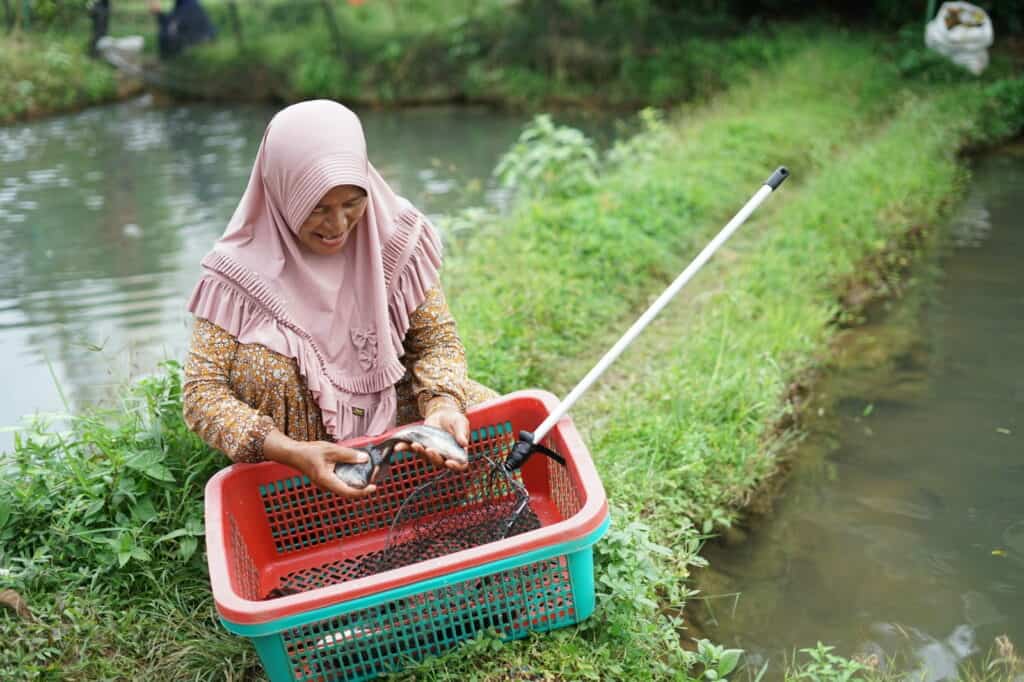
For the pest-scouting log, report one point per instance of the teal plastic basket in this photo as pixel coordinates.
(268, 529)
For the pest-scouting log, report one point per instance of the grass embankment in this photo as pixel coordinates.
(104, 546)
(520, 54)
(397, 54)
(46, 73)
(684, 438)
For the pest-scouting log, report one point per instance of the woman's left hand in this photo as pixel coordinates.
(454, 422)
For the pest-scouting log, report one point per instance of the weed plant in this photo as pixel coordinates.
(40, 76)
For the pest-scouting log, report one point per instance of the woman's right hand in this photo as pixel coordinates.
(316, 459)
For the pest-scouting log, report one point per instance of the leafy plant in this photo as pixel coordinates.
(549, 160)
(54, 74)
(825, 666)
(113, 495)
(645, 145)
(717, 661)
(319, 75)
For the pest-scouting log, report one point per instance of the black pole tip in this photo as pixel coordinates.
(777, 178)
(520, 452)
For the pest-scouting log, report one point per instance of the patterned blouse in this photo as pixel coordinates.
(236, 393)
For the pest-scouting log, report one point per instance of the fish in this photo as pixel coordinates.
(430, 437)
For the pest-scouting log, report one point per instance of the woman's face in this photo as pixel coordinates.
(328, 227)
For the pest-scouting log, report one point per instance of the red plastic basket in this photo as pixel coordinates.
(268, 528)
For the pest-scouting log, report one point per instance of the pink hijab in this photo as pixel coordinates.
(344, 317)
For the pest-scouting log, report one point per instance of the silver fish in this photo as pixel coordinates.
(361, 475)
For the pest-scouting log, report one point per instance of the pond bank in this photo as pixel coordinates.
(519, 55)
(46, 74)
(438, 54)
(902, 515)
(681, 432)
(428, 76)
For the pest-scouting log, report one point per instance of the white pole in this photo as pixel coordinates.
(772, 183)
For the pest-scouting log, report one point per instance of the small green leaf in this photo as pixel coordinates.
(123, 558)
(187, 547)
(730, 659)
(144, 511)
(149, 462)
(5, 512)
(160, 473)
(170, 536)
(93, 508)
(710, 674)
(140, 459)
(660, 549)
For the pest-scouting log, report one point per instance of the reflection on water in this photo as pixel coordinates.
(104, 216)
(901, 530)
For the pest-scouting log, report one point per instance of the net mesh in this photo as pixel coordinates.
(446, 512)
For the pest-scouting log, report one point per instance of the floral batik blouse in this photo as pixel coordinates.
(236, 393)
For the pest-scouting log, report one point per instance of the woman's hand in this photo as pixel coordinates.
(316, 459)
(448, 419)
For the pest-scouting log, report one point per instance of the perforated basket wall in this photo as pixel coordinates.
(385, 637)
(311, 579)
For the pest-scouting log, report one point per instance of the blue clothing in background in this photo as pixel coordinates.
(187, 24)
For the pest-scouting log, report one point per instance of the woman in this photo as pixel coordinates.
(319, 314)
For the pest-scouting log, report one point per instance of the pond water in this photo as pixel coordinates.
(900, 533)
(105, 215)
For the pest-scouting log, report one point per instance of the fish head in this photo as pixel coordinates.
(363, 474)
(433, 438)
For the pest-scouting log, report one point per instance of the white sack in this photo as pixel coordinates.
(965, 43)
(123, 53)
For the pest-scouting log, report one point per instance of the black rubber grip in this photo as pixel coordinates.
(777, 178)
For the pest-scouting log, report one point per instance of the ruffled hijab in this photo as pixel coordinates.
(342, 317)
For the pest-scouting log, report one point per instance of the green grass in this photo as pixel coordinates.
(98, 525)
(638, 228)
(684, 438)
(700, 414)
(99, 529)
(455, 51)
(44, 74)
(820, 664)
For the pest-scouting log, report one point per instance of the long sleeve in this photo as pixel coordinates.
(211, 408)
(435, 356)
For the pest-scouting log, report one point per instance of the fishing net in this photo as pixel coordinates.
(445, 512)
(495, 505)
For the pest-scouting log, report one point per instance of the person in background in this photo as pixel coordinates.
(99, 13)
(185, 25)
(319, 313)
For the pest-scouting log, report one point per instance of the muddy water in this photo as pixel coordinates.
(105, 214)
(900, 533)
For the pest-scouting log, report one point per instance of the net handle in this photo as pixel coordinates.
(772, 183)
